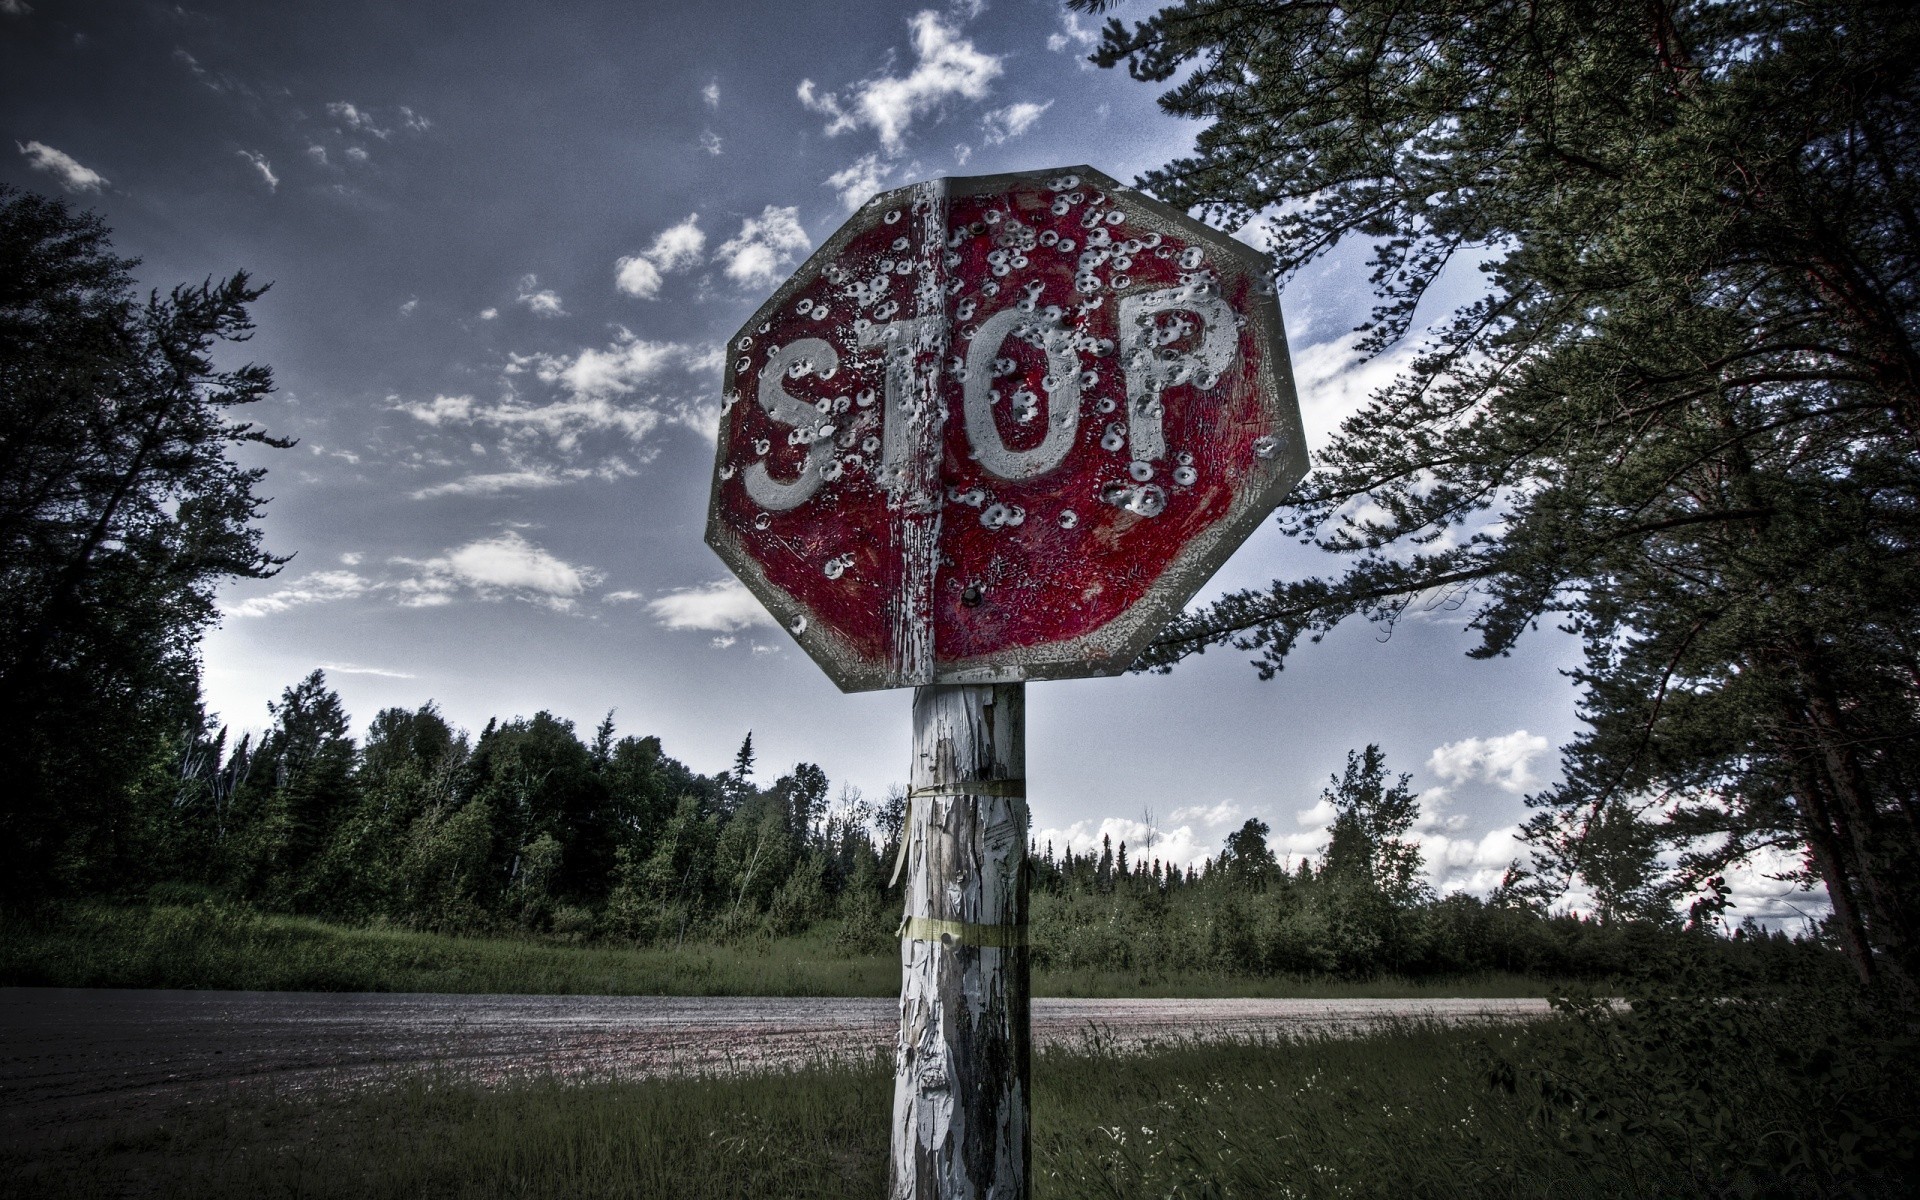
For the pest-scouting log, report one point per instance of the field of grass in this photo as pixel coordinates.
(1406, 1113)
(211, 946)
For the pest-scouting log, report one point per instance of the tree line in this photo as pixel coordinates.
(531, 828)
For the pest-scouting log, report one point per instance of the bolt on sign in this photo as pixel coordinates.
(995, 429)
(1001, 429)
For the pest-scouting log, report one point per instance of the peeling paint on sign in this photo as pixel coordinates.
(1001, 428)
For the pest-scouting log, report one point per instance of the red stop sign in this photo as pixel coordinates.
(1001, 428)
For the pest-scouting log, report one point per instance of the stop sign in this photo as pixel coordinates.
(1001, 428)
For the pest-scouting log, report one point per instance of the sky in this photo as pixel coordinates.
(506, 244)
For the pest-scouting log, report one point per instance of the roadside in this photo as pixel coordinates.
(214, 946)
(74, 1056)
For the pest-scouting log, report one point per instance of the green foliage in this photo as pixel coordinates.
(1683, 419)
(120, 513)
(1694, 1087)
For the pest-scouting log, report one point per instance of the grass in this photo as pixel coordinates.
(217, 947)
(1405, 1113)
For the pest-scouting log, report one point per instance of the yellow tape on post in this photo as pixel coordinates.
(963, 933)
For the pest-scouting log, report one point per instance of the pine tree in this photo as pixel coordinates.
(120, 513)
(1684, 419)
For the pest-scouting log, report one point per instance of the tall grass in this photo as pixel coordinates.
(1404, 1113)
(217, 946)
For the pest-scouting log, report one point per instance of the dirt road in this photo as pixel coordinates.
(71, 1055)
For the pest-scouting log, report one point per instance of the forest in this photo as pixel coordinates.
(531, 830)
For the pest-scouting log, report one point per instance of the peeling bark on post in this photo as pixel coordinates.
(961, 1066)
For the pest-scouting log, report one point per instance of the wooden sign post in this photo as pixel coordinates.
(995, 429)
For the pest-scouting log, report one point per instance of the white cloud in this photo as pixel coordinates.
(1073, 35)
(719, 607)
(622, 597)
(524, 478)
(961, 153)
(722, 642)
(321, 587)
(1506, 762)
(946, 65)
(356, 119)
(261, 165)
(766, 245)
(859, 180)
(406, 310)
(414, 122)
(1005, 124)
(505, 566)
(488, 314)
(356, 154)
(711, 93)
(348, 669)
(616, 369)
(318, 154)
(15, 8)
(441, 410)
(710, 141)
(63, 166)
(675, 248)
(1334, 383)
(542, 302)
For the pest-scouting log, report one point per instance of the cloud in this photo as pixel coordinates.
(710, 141)
(719, 607)
(346, 669)
(622, 597)
(711, 93)
(321, 587)
(675, 248)
(1004, 124)
(542, 302)
(1072, 36)
(406, 310)
(64, 167)
(859, 180)
(488, 314)
(946, 65)
(614, 370)
(261, 165)
(318, 154)
(505, 566)
(356, 154)
(414, 122)
(1334, 383)
(441, 410)
(357, 119)
(15, 8)
(524, 478)
(766, 245)
(1505, 762)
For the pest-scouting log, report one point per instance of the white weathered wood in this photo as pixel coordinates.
(961, 1066)
(916, 494)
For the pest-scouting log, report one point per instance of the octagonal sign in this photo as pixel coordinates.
(1001, 428)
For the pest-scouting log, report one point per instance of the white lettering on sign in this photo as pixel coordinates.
(806, 356)
(1150, 373)
(1149, 369)
(1063, 397)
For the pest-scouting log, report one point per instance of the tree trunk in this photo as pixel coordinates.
(961, 1067)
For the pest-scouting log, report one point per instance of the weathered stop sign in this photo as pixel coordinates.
(1001, 429)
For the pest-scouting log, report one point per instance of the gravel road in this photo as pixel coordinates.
(69, 1055)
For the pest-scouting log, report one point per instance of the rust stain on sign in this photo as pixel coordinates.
(1001, 428)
